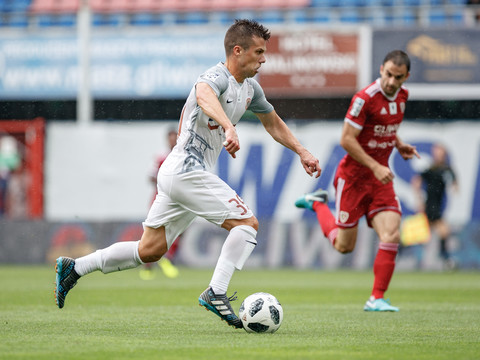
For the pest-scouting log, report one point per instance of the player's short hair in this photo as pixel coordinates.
(399, 58)
(242, 32)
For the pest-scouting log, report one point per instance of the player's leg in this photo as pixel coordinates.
(341, 230)
(236, 249)
(127, 254)
(386, 225)
(317, 202)
(211, 198)
(119, 256)
(442, 229)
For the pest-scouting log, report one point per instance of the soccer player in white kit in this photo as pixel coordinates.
(186, 186)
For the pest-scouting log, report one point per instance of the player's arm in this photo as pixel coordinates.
(407, 151)
(350, 143)
(207, 99)
(277, 128)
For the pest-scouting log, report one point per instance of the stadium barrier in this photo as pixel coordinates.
(299, 244)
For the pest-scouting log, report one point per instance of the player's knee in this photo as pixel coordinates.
(229, 224)
(151, 249)
(343, 249)
(393, 237)
(254, 223)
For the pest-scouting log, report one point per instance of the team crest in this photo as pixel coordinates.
(343, 216)
(249, 100)
(393, 108)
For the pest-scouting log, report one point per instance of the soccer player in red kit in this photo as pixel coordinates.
(363, 181)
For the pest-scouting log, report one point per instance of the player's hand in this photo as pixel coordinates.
(231, 143)
(407, 151)
(383, 174)
(310, 164)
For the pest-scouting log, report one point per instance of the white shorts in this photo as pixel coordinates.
(183, 197)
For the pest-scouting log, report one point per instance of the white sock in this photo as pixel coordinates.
(119, 256)
(238, 246)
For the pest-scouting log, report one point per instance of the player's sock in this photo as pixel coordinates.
(119, 256)
(238, 246)
(383, 268)
(326, 220)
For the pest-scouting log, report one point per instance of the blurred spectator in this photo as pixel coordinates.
(431, 187)
(9, 161)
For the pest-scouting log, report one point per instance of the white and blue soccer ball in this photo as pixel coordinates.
(261, 313)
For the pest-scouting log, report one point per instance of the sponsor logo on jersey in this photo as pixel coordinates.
(374, 144)
(402, 107)
(249, 100)
(385, 130)
(357, 106)
(383, 111)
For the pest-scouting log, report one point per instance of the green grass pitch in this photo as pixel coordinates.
(119, 316)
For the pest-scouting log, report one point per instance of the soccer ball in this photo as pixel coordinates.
(261, 313)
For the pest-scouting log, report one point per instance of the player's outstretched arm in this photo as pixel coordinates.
(277, 128)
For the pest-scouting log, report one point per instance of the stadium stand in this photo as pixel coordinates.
(114, 13)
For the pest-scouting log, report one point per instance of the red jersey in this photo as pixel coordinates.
(379, 117)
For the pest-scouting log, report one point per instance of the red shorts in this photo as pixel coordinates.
(362, 195)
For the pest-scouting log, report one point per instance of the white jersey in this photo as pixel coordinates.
(201, 138)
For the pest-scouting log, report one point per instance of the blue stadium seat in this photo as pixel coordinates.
(437, 17)
(350, 16)
(351, 3)
(457, 17)
(322, 16)
(45, 20)
(144, 19)
(413, 2)
(108, 19)
(221, 17)
(377, 17)
(18, 20)
(14, 5)
(67, 20)
(407, 17)
(373, 3)
(320, 3)
(299, 15)
(193, 18)
(56, 20)
(245, 14)
(271, 17)
(388, 2)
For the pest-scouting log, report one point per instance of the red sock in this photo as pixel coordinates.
(326, 220)
(383, 267)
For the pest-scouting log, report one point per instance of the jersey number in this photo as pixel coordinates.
(240, 204)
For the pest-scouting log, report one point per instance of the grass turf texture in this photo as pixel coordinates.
(119, 316)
